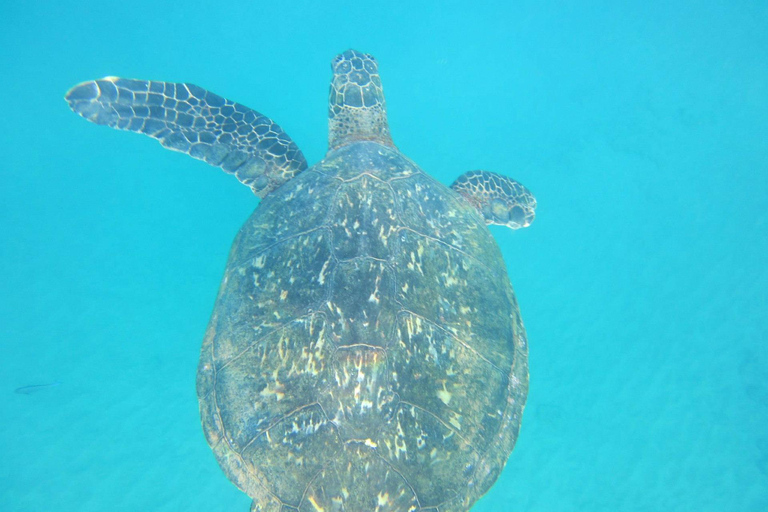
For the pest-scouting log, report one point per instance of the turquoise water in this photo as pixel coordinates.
(642, 128)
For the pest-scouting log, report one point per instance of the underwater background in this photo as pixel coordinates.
(641, 127)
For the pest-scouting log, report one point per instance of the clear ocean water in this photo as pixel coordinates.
(642, 128)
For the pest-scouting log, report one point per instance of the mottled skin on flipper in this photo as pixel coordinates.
(189, 119)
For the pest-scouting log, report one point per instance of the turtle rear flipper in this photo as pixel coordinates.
(187, 118)
(499, 199)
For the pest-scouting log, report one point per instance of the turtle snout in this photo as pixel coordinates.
(514, 216)
(521, 217)
(353, 59)
(517, 215)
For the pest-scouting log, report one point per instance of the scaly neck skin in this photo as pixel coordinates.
(356, 107)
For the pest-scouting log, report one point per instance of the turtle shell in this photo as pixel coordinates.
(366, 350)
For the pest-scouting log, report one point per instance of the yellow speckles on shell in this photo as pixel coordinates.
(455, 421)
(415, 264)
(314, 504)
(363, 218)
(413, 326)
(450, 280)
(323, 272)
(274, 389)
(401, 449)
(384, 239)
(360, 399)
(375, 294)
(444, 395)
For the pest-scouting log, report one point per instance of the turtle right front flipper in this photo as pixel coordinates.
(187, 118)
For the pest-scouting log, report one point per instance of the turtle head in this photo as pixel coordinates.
(499, 199)
(356, 107)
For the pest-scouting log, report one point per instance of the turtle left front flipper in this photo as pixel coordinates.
(499, 199)
(187, 118)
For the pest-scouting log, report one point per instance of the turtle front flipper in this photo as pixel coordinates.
(499, 199)
(187, 118)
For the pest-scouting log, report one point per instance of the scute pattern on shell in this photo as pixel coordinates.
(366, 351)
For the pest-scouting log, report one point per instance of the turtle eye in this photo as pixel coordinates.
(499, 210)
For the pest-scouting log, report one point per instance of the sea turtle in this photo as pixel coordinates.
(366, 350)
